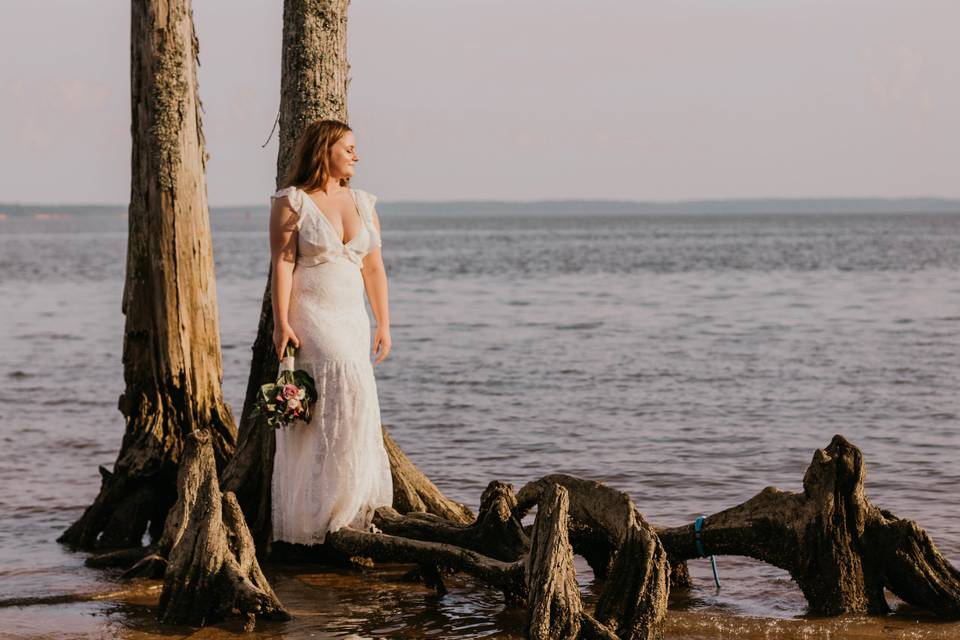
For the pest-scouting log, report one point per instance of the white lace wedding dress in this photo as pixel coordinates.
(334, 471)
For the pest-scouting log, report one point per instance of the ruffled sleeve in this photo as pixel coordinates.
(368, 201)
(295, 196)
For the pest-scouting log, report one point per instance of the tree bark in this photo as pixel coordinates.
(212, 569)
(171, 349)
(555, 606)
(495, 532)
(623, 550)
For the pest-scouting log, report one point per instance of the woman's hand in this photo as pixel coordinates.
(282, 334)
(381, 344)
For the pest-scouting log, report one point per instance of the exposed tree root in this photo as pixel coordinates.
(212, 570)
(555, 607)
(841, 549)
(542, 577)
(413, 491)
(495, 532)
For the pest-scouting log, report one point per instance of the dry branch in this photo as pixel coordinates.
(505, 576)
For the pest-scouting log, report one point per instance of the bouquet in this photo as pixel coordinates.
(290, 398)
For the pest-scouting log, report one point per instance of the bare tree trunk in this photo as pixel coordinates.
(313, 86)
(171, 350)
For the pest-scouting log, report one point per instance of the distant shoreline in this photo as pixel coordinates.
(773, 206)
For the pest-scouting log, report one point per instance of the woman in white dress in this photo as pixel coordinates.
(325, 248)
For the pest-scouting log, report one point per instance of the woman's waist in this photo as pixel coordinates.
(321, 288)
(340, 273)
(314, 258)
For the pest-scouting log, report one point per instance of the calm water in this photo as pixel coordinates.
(688, 360)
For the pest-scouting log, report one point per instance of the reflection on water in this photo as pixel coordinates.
(687, 360)
(377, 603)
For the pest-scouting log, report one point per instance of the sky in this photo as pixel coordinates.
(520, 100)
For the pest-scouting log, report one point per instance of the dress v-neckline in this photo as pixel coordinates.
(329, 224)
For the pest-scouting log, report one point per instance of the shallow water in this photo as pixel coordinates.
(688, 360)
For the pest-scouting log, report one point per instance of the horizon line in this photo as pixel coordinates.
(676, 201)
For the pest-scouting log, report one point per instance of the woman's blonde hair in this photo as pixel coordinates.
(310, 166)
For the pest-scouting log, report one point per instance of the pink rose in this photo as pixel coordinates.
(293, 404)
(290, 391)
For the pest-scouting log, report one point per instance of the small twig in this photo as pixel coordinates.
(272, 129)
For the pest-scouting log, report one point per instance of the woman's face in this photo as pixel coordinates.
(343, 156)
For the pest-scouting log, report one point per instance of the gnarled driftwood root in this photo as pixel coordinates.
(212, 569)
(634, 599)
(495, 532)
(555, 607)
(622, 549)
(841, 549)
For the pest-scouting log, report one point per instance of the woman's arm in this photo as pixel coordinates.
(283, 258)
(375, 282)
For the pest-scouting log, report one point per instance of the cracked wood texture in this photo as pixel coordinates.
(555, 607)
(212, 571)
(171, 349)
(617, 540)
(840, 548)
(494, 532)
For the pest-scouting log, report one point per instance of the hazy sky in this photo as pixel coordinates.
(471, 99)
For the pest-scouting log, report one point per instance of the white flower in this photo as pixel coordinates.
(293, 404)
(302, 395)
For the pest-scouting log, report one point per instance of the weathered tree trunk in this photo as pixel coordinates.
(841, 549)
(313, 86)
(830, 537)
(171, 349)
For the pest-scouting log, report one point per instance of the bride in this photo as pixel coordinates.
(325, 250)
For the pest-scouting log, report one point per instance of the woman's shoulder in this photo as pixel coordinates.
(365, 197)
(293, 194)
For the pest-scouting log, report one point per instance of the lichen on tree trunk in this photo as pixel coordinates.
(171, 348)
